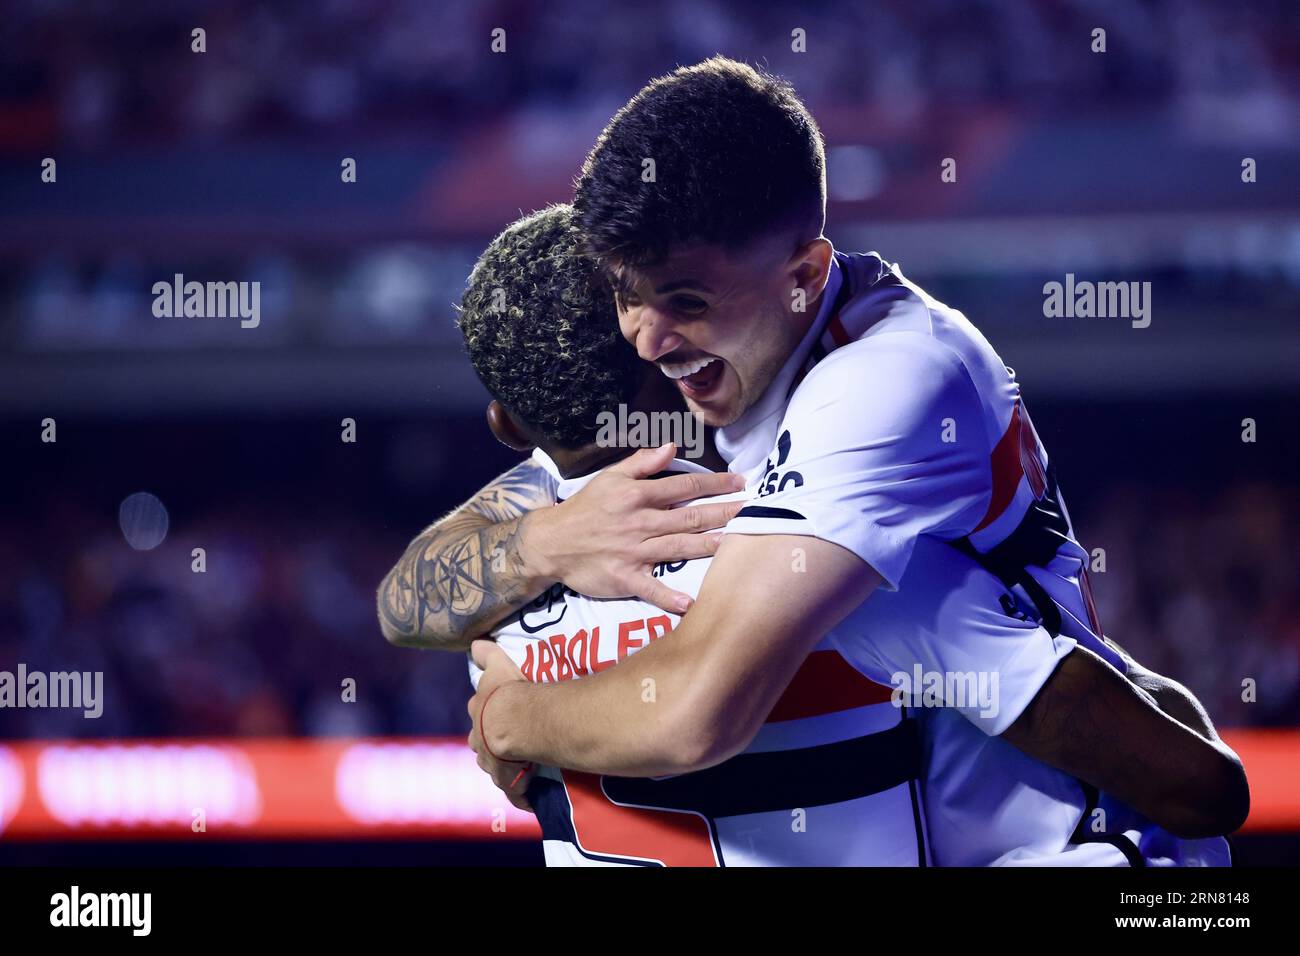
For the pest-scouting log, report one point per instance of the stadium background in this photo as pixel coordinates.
(223, 688)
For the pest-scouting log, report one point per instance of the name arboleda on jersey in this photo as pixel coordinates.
(785, 800)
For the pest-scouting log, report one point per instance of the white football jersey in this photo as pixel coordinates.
(831, 779)
(895, 418)
(896, 431)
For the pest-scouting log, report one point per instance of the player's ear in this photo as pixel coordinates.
(507, 431)
(811, 266)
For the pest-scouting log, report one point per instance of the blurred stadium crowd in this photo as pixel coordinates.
(260, 643)
(227, 162)
(101, 71)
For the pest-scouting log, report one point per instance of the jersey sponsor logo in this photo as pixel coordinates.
(774, 480)
(666, 567)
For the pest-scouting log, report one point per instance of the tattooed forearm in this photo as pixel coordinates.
(466, 573)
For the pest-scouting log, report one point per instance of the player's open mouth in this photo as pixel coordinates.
(696, 378)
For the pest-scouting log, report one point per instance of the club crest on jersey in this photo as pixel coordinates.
(773, 480)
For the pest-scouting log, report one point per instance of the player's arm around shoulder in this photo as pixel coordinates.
(1093, 723)
(697, 696)
(511, 541)
(468, 570)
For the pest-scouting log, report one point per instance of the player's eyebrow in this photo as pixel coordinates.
(623, 282)
(682, 284)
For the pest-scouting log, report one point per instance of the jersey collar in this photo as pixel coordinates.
(568, 487)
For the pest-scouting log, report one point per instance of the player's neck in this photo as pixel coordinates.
(805, 319)
(578, 462)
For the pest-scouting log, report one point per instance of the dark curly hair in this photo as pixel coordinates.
(541, 329)
(737, 156)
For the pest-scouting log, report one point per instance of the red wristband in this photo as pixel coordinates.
(515, 782)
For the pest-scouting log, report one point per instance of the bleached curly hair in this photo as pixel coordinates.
(541, 329)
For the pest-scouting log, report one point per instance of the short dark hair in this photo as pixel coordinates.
(541, 329)
(736, 154)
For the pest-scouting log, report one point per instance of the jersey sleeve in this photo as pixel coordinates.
(882, 442)
(956, 637)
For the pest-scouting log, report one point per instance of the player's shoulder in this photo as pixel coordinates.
(891, 303)
(888, 342)
(884, 345)
(876, 300)
(888, 370)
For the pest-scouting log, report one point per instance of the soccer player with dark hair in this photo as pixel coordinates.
(839, 773)
(725, 238)
(539, 323)
(866, 417)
